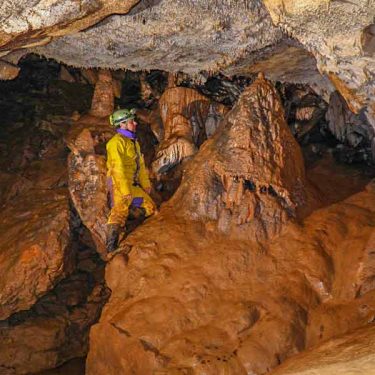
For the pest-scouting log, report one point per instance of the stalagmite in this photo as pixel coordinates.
(184, 113)
(252, 174)
(103, 99)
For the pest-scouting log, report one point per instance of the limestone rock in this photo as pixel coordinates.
(251, 175)
(347, 355)
(26, 25)
(103, 100)
(88, 177)
(345, 125)
(11, 185)
(153, 120)
(188, 37)
(56, 328)
(187, 298)
(184, 113)
(191, 300)
(8, 71)
(35, 248)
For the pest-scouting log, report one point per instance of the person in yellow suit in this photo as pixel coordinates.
(128, 178)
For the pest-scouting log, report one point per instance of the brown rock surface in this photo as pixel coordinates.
(8, 71)
(56, 328)
(250, 177)
(88, 175)
(38, 25)
(35, 248)
(344, 124)
(190, 299)
(183, 112)
(103, 99)
(348, 355)
(11, 185)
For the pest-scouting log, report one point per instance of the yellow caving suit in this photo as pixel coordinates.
(126, 169)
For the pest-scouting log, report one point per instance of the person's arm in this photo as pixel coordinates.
(117, 169)
(144, 179)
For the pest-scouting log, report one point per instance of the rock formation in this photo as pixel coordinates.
(103, 100)
(351, 354)
(184, 113)
(27, 25)
(191, 300)
(194, 299)
(35, 246)
(52, 287)
(345, 125)
(251, 175)
(249, 262)
(88, 176)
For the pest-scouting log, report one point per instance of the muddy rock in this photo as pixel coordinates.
(87, 175)
(184, 113)
(189, 299)
(250, 177)
(103, 100)
(56, 328)
(11, 185)
(36, 251)
(347, 355)
(193, 293)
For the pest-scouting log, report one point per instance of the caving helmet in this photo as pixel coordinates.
(121, 115)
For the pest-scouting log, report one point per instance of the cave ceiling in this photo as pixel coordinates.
(326, 43)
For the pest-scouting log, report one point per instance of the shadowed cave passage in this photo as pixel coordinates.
(228, 172)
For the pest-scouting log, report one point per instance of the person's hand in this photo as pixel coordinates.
(148, 190)
(127, 197)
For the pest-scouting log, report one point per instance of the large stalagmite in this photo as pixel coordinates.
(249, 178)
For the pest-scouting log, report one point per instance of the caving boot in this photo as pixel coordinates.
(113, 236)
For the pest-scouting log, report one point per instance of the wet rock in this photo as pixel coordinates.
(193, 300)
(103, 99)
(87, 175)
(11, 185)
(249, 178)
(346, 126)
(8, 71)
(47, 174)
(184, 113)
(60, 320)
(36, 251)
(51, 336)
(350, 354)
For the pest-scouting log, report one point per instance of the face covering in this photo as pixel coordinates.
(127, 133)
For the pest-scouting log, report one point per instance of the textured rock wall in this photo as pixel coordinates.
(250, 177)
(184, 113)
(187, 36)
(190, 298)
(52, 287)
(351, 354)
(339, 35)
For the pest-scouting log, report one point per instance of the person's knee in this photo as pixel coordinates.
(118, 215)
(149, 207)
